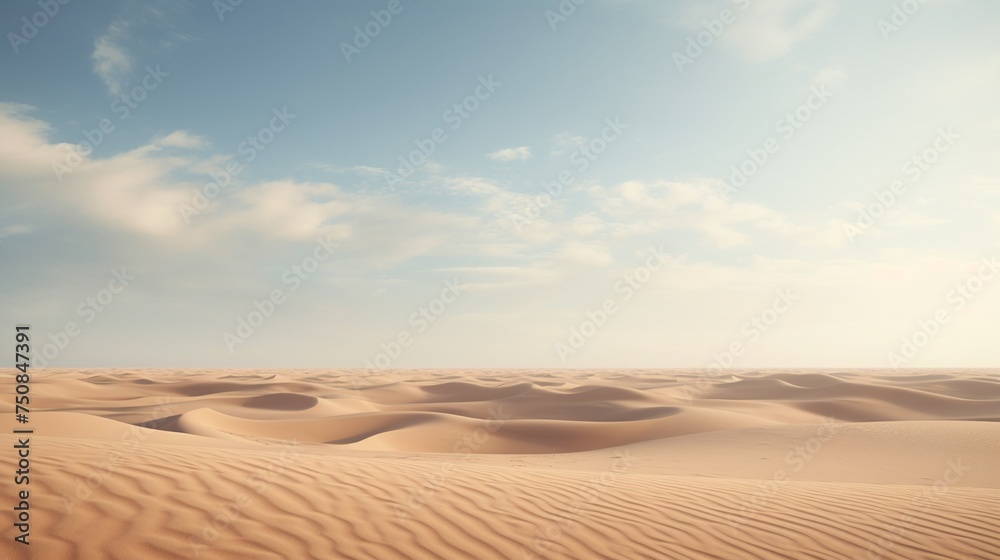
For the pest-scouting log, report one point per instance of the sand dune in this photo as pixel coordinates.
(519, 464)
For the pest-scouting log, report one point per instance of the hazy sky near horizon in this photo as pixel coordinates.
(616, 183)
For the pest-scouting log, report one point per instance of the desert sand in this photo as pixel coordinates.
(484, 464)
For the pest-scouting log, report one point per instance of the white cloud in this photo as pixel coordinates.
(511, 154)
(587, 254)
(288, 210)
(141, 191)
(482, 278)
(433, 167)
(496, 200)
(833, 76)
(182, 139)
(23, 147)
(898, 216)
(907, 217)
(472, 185)
(366, 170)
(982, 185)
(134, 190)
(112, 62)
(771, 28)
(643, 208)
(565, 142)
(587, 224)
(665, 205)
(139, 30)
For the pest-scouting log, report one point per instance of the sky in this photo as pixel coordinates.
(574, 184)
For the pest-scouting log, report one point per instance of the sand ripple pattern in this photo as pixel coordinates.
(455, 464)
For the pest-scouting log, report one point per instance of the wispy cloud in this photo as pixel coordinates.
(182, 139)
(140, 192)
(566, 142)
(112, 62)
(138, 29)
(511, 154)
(367, 170)
(771, 28)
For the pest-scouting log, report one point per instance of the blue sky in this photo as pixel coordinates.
(501, 101)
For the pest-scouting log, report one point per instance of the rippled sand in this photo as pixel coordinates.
(484, 464)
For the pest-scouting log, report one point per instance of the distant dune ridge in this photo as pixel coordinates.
(489, 464)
